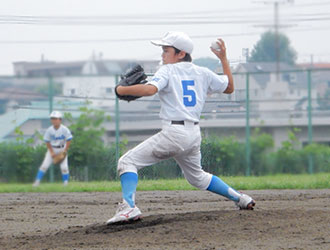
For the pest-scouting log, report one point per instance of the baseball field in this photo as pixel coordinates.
(176, 219)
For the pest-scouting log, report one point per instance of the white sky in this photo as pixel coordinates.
(307, 37)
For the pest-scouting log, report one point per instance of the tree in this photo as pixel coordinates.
(210, 63)
(87, 131)
(264, 50)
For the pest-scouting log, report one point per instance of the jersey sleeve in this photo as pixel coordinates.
(160, 79)
(68, 135)
(47, 136)
(217, 83)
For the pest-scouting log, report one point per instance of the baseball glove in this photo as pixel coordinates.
(132, 77)
(59, 157)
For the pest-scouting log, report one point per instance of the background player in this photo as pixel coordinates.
(182, 88)
(58, 138)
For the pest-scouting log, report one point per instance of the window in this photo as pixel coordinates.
(278, 94)
(255, 92)
(72, 91)
(293, 78)
(108, 90)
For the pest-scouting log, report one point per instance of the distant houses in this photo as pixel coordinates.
(283, 93)
(279, 100)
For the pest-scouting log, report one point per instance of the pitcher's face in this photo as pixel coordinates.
(169, 56)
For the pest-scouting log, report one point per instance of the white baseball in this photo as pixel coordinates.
(215, 45)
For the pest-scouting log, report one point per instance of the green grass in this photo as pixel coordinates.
(316, 181)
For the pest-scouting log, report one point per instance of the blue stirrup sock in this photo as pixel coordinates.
(129, 182)
(219, 187)
(65, 177)
(40, 174)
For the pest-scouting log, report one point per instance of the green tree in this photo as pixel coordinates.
(210, 63)
(87, 133)
(264, 50)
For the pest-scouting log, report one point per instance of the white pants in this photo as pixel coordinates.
(182, 142)
(48, 161)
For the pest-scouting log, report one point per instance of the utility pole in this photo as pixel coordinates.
(245, 54)
(51, 96)
(277, 45)
(276, 27)
(312, 61)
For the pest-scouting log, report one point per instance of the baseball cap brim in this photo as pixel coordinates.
(160, 43)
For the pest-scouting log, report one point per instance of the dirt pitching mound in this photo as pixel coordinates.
(297, 219)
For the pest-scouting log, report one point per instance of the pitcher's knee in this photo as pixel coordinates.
(125, 165)
(201, 180)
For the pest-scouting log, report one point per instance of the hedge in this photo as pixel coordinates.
(20, 161)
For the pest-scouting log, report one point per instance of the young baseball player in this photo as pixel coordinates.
(182, 88)
(58, 138)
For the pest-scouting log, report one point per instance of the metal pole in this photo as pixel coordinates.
(247, 128)
(117, 125)
(310, 125)
(277, 46)
(51, 94)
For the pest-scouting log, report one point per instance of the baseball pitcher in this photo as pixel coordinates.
(182, 88)
(58, 138)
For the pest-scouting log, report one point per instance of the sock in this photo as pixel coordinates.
(65, 177)
(129, 182)
(219, 187)
(40, 174)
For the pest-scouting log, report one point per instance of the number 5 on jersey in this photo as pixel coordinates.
(189, 95)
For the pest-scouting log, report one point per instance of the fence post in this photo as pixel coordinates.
(117, 124)
(310, 125)
(86, 173)
(247, 128)
(51, 96)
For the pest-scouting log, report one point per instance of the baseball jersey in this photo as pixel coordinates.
(57, 137)
(183, 88)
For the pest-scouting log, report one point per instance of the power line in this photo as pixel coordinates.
(122, 39)
(241, 19)
(13, 42)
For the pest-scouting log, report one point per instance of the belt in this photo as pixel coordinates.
(181, 123)
(57, 146)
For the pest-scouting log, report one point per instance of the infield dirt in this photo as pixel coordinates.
(282, 219)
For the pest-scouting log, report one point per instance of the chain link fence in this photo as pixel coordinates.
(272, 123)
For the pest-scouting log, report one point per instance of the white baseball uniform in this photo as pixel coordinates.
(182, 88)
(57, 138)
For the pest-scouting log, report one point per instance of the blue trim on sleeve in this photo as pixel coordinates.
(69, 139)
(46, 140)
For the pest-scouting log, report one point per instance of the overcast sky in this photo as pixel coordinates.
(68, 30)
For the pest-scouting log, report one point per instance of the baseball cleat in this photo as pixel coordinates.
(125, 213)
(245, 202)
(36, 184)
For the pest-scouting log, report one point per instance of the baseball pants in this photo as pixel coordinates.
(48, 161)
(182, 142)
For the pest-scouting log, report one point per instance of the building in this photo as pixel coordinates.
(94, 66)
(93, 80)
(277, 104)
(271, 94)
